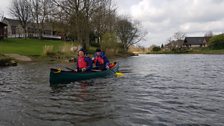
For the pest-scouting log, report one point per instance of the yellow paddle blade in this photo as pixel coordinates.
(119, 74)
(58, 71)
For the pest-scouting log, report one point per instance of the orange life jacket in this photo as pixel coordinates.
(82, 63)
(99, 59)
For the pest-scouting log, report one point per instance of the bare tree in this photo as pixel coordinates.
(60, 22)
(81, 13)
(1, 15)
(179, 36)
(104, 19)
(128, 33)
(35, 5)
(41, 10)
(208, 34)
(21, 10)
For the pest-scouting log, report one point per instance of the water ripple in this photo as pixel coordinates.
(160, 90)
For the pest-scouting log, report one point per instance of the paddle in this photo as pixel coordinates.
(66, 67)
(119, 74)
(69, 68)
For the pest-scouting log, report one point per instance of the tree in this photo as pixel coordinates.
(217, 42)
(1, 15)
(80, 14)
(109, 40)
(21, 10)
(208, 34)
(179, 36)
(156, 49)
(128, 33)
(104, 18)
(162, 46)
(41, 9)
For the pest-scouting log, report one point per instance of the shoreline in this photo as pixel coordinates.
(206, 51)
(13, 59)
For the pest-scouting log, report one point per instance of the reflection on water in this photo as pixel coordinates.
(156, 90)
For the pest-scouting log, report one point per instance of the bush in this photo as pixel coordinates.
(67, 48)
(7, 61)
(47, 50)
(156, 49)
(216, 42)
(109, 43)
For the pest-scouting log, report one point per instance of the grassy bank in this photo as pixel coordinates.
(191, 51)
(206, 51)
(45, 50)
(29, 47)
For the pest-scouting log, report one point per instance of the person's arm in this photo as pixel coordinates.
(89, 63)
(106, 62)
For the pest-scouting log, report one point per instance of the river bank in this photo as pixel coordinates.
(205, 50)
(34, 50)
(7, 61)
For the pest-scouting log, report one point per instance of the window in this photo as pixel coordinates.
(13, 28)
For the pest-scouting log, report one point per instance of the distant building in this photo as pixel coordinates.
(175, 44)
(3, 30)
(196, 41)
(15, 30)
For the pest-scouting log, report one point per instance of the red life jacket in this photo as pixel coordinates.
(82, 63)
(99, 59)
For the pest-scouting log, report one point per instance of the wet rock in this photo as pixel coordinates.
(6, 61)
(19, 57)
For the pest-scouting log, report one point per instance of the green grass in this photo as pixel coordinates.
(205, 50)
(29, 47)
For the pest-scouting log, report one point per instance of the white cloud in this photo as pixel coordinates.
(4, 7)
(164, 17)
(161, 18)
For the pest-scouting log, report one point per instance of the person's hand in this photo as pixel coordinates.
(83, 69)
(107, 67)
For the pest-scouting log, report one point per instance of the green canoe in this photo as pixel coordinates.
(65, 77)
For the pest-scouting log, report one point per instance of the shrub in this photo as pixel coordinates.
(109, 43)
(216, 42)
(47, 50)
(67, 48)
(156, 49)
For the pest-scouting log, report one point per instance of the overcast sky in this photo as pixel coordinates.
(162, 18)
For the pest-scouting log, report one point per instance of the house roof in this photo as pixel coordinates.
(15, 22)
(176, 43)
(12, 21)
(2, 24)
(195, 40)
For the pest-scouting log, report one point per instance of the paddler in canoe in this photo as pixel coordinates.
(84, 69)
(100, 60)
(84, 63)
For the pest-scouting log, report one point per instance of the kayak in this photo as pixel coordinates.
(58, 76)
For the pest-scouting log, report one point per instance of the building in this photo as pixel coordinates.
(15, 30)
(3, 30)
(196, 41)
(175, 44)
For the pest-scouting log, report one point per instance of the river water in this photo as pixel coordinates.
(160, 90)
